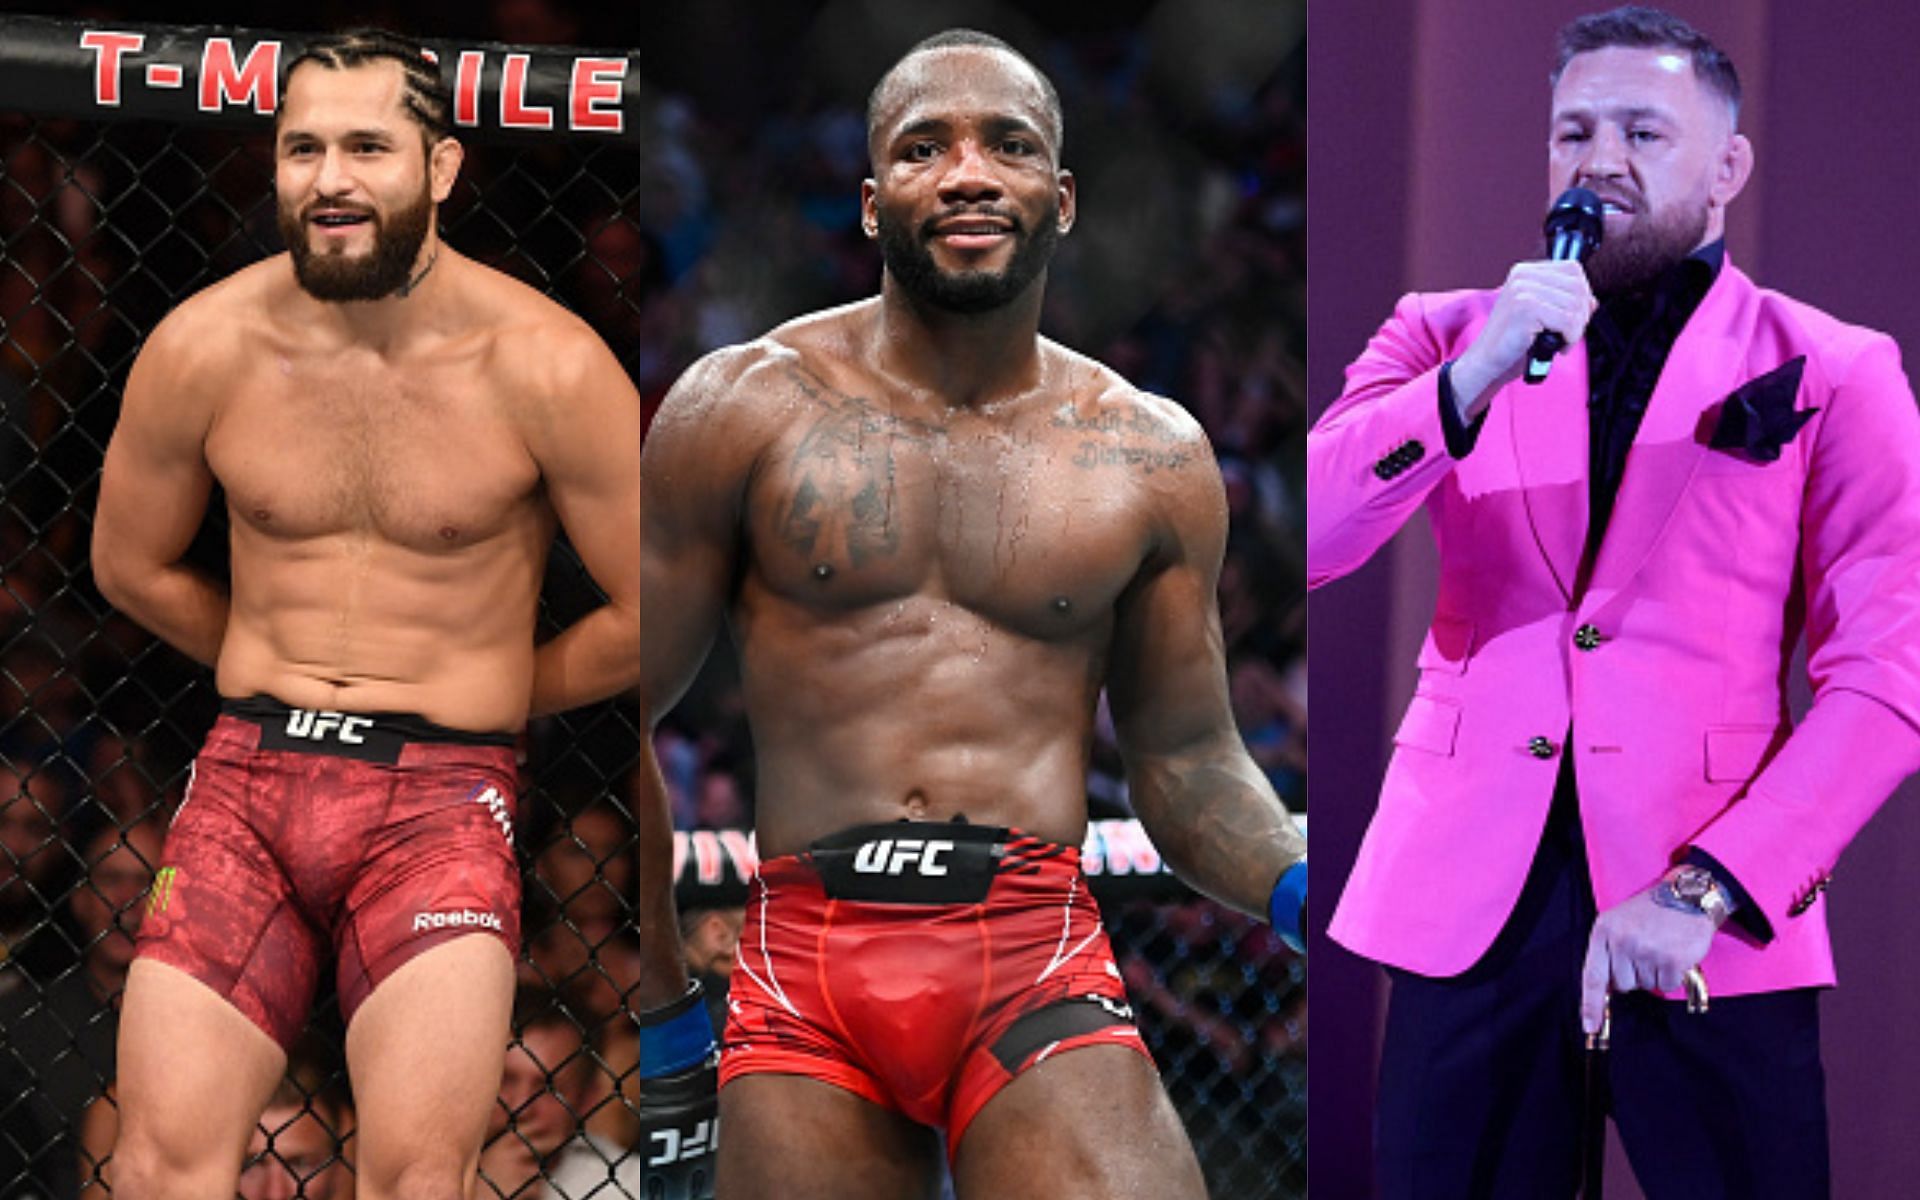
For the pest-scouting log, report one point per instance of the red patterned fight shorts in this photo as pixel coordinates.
(922, 966)
(368, 838)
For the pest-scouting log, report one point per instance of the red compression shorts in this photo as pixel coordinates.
(307, 835)
(922, 966)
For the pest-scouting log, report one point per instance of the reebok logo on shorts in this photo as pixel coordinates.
(463, 918)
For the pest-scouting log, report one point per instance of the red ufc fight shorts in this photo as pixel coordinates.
(922, 966)
(304, 834)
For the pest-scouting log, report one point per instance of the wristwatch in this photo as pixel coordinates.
(1694, 887)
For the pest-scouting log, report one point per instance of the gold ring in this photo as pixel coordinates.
(1602, 1037)
(1696, 981)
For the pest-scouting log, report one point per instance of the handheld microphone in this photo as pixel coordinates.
(1573, 228)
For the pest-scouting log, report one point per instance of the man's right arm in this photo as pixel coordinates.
(694, 466)
(1381, 448)
(692, 476)
(153, 494)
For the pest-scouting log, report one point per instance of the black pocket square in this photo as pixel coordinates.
(1759, 417)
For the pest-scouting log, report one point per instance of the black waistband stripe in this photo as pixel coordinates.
(370, 737)
(921, 862)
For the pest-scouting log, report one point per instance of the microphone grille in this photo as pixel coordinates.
(1577, 210)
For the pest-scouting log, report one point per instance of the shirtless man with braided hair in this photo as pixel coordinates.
(398, 431)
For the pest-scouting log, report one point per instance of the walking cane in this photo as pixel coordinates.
(1593, 1094)
(1593, 1107)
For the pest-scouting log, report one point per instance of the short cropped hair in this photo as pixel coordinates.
(969, 37)
(426, 98)
(1649, 28)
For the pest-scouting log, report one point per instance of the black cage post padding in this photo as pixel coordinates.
(212, 75)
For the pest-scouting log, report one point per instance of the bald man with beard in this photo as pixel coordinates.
(936, 537)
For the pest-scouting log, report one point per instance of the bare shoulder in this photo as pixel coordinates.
(213, 328)
(719, 410)
(830, 335)
(544, 350)
(741, 395)
(189, 364)
(1118, 425)
(1149, 446)
(823, 357)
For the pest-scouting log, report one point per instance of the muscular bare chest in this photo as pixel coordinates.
(423, 455)
(1003, 514)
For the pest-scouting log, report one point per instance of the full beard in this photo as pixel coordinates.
(386, 269)
(966, 293)
(1650, 247)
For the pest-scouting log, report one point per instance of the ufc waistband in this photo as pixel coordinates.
(369, 737)
(922, 967)
(925, 862)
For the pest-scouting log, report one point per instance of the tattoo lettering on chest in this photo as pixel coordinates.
(841, 488)
(1147, 459)
(1135, 439)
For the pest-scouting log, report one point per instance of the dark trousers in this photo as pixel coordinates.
(1482, 1075)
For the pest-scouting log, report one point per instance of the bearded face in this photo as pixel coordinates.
(334, 261)
(906, 249)
(1657, 145)
(1651, 244)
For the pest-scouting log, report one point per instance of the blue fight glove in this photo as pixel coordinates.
(679, 1099)
(1287, 909)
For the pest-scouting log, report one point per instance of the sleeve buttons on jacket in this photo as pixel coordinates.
(1399, 459)
(1805, 900)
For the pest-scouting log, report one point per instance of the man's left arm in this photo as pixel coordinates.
(1860, 572)
(586, 438)
(1202, 799)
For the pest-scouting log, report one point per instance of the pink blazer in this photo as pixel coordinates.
(1670, 666)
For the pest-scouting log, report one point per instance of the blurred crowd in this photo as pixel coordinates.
(1187, 273)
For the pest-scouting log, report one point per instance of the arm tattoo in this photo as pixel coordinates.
(1222, 832)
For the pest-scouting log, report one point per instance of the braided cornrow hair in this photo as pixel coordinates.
(426, 97)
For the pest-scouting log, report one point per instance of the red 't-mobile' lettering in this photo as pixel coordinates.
(108, 47)
(596, 82)
(466, 88)
(515, 112)
(222, 81)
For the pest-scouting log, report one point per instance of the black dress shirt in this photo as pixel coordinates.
(1628, 341)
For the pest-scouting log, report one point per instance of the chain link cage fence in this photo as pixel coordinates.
(674, 219)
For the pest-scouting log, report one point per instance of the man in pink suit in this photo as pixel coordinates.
(1596, 786)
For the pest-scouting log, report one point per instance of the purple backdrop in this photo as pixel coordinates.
(1427, 142)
